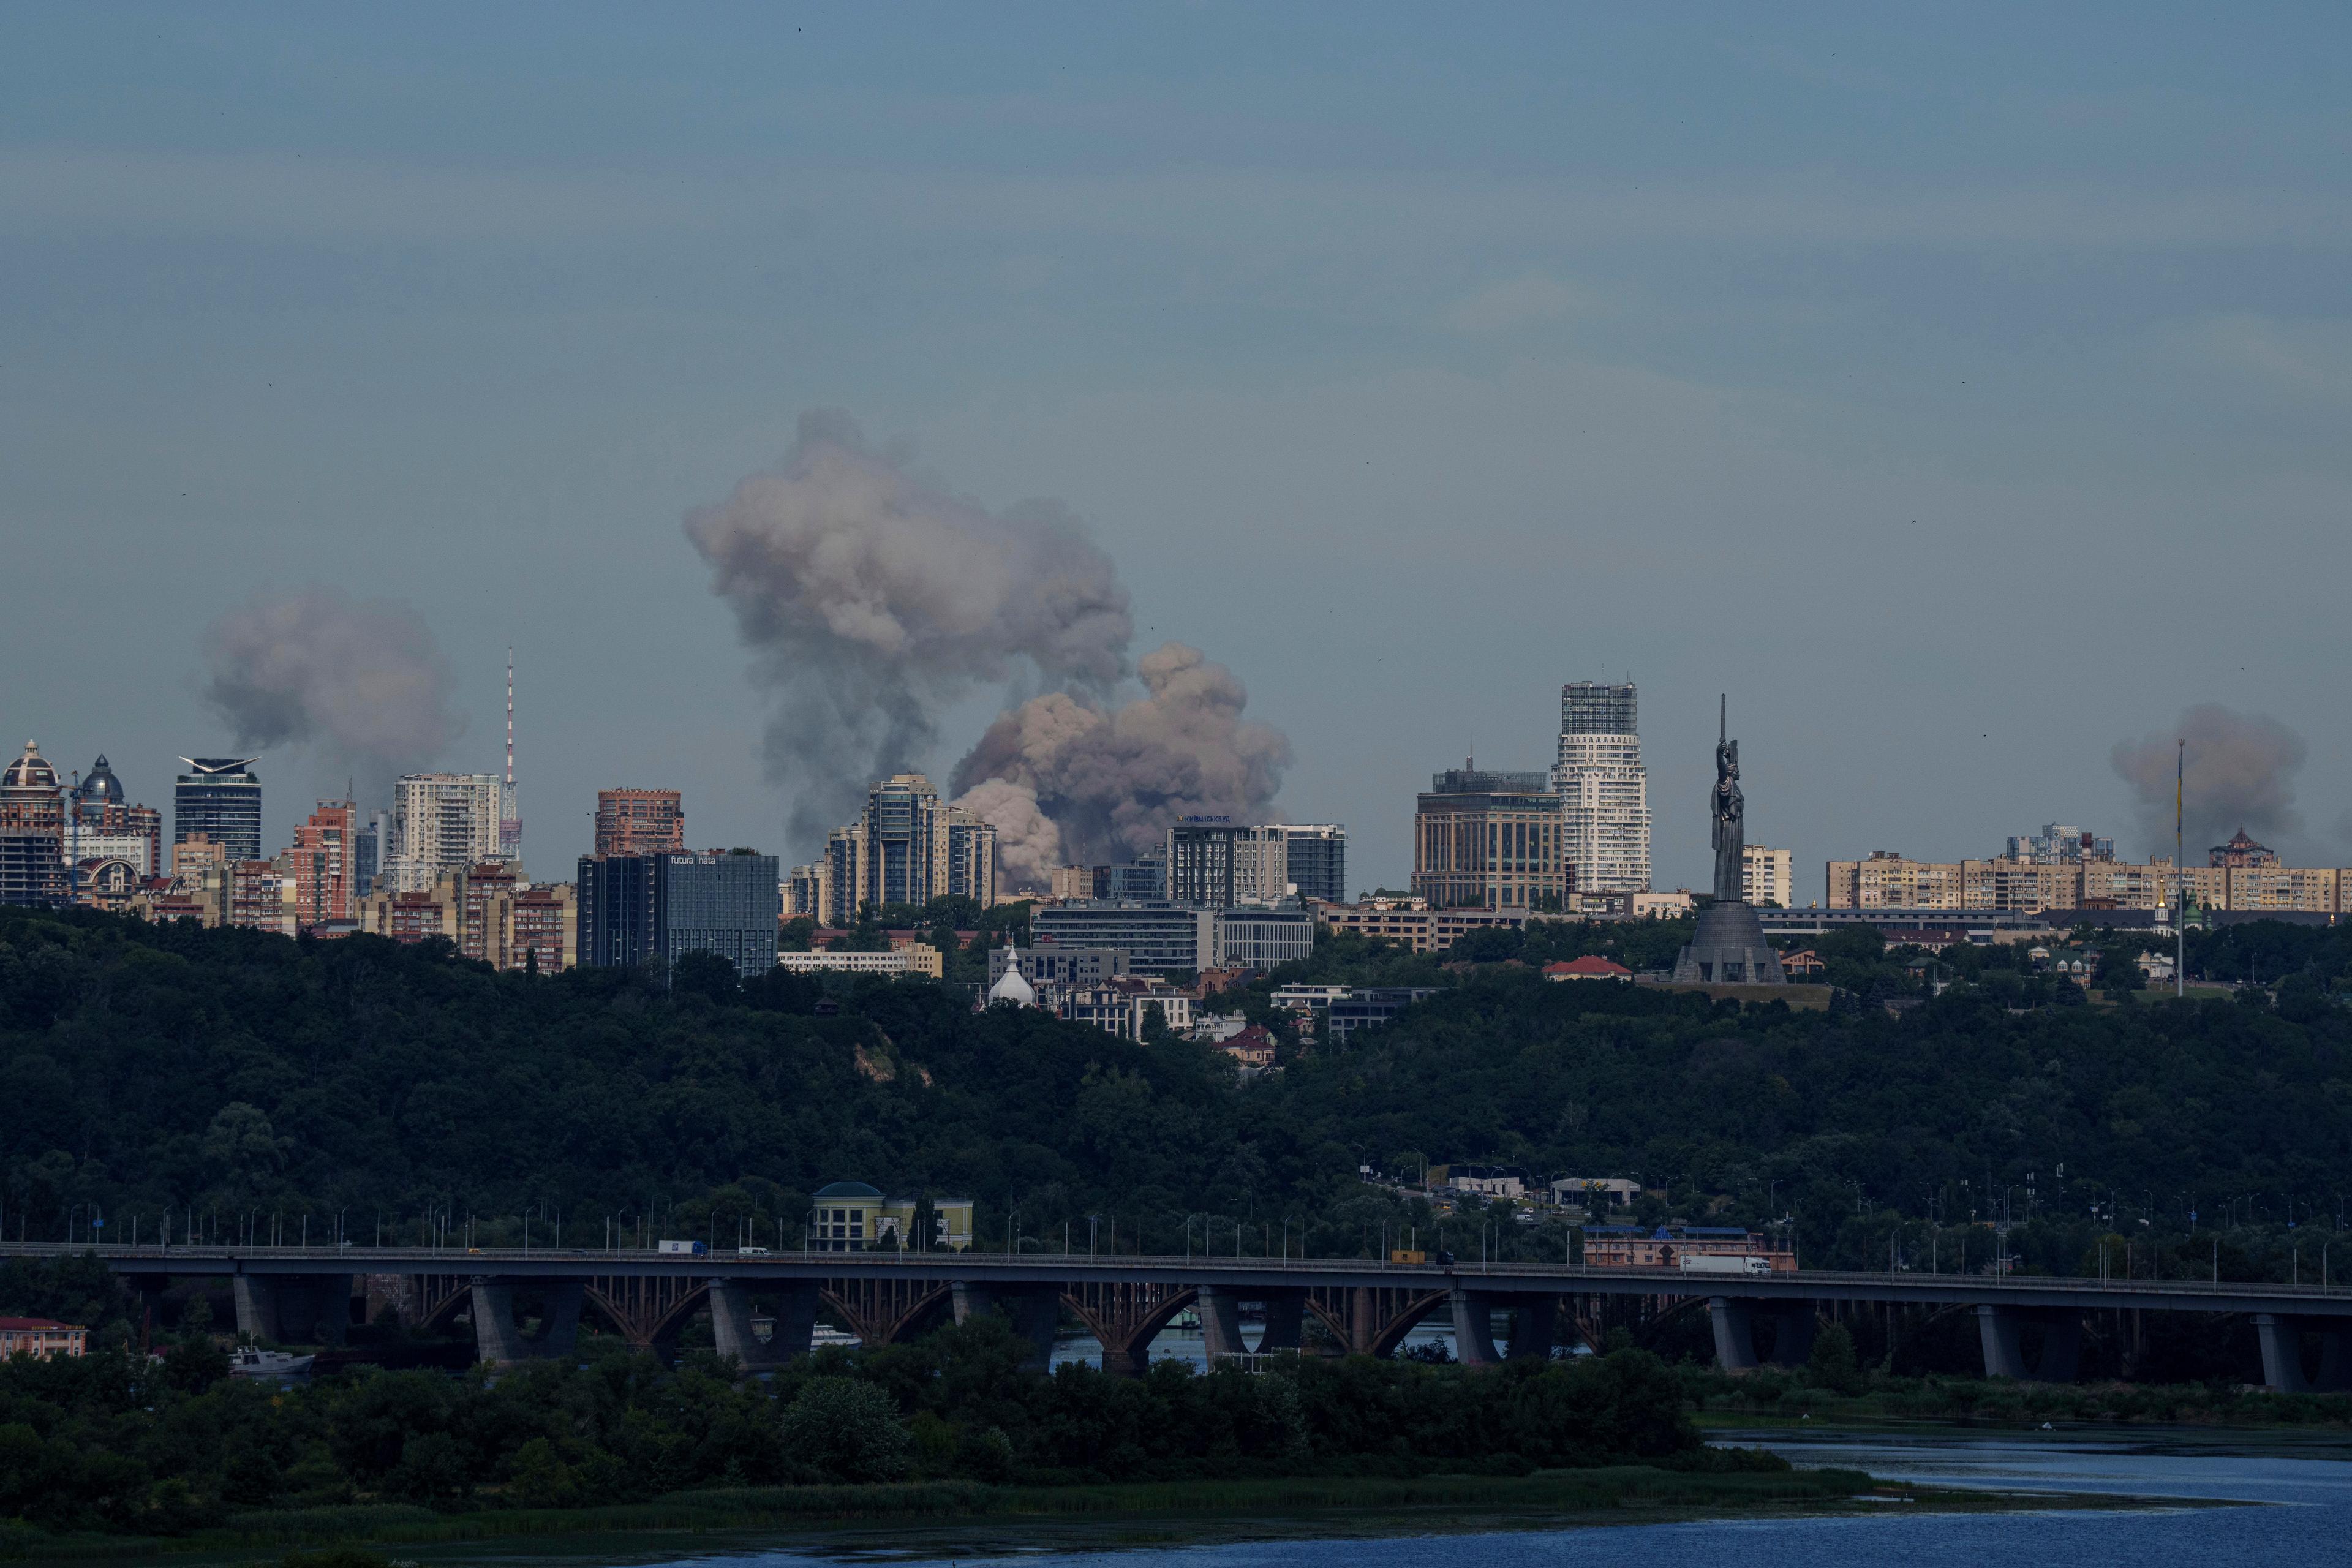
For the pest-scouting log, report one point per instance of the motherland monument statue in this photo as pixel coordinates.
(1729, 947)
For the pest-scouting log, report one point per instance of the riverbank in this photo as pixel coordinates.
(956, 1519)
(1774, 1400)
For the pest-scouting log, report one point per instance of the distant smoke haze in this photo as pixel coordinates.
(362, 684)
(2241, 774)
(872, 600)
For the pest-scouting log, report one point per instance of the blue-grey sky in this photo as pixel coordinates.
(1964, 392)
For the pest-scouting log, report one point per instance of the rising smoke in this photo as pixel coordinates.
(362, 683)
(873, 600)
(1111, 780)
(2241, 774)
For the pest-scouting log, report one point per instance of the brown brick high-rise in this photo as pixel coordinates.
(639, 821)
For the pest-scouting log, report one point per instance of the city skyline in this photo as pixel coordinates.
(1629, 343)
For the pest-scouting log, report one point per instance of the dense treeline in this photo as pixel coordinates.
(117, 1441)
(262, 1084)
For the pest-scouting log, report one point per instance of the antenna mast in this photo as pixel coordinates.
(509, 812)
(2180, 874)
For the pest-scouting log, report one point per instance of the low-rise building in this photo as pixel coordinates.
(1419, 929)
(1121, 1007)
(915, 957)
(850, 1217)
(41, 1338)
(1487, 1181)
(1369, 1007)
(1253, 1047)
(1050, 963)
(1632, 1247)
(1594, 1195)
(1588, 967)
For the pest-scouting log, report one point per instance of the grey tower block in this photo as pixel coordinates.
(1729, 949)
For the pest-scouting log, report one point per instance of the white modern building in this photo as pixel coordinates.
(440, 822)
(1603, 788)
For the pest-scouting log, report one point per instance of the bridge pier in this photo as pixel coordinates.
(1036, 1311)
(498, 1341)
(1733, 1319)
(1533, 1322)
(1286, 1321)
(300, 1309)
(2281, 1337)
(1999, 1331)
(1220, 1321)
(730, 1323)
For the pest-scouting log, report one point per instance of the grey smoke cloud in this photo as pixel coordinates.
(872, 600)
(363, 683)
(1028, 845)
(2241, 774)
(1112, 778)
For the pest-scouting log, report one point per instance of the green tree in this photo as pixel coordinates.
(1833, 1364)
(846, 1429)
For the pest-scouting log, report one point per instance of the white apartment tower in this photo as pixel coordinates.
(1603, 789)
(440, 822)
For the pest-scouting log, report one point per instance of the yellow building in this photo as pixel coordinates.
(850, 1217)
(1887, 880)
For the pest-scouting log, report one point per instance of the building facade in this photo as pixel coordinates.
(319, 861)
(103, 824)
(655, 908)
(440, 822)
(1490, 840)
(1162, 937)
(219, 797)
(2059, 845)
(32, 831)
(1888, 880)
(639, 821)
(1214, 863)
(1420, 931)
(488, 912)
(1603, 787)
(909, 846)
(1768, 877)
(1319, 861)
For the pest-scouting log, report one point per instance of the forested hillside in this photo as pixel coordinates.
(147, 1070)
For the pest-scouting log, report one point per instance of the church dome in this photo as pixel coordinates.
(31, 770)
(1012, 988)
(100, 787)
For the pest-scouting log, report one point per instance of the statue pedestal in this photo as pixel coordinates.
(1729, 949)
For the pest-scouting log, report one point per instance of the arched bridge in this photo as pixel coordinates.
(1360, 1306)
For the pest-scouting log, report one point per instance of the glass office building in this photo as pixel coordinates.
(219, 797)
(640, 908)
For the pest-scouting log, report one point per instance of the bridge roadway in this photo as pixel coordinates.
(1368, 1305)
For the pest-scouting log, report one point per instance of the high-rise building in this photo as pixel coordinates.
(440, 822)
(909, 846)
(219, 797)
(320, 862)
(1483, 839)
(639, 821)
(1768, 877)
(1318, 860)
(101, 825)
(1604, 790)
(2059, 844)
(655, 909)
(1214, 863)
(371, 847)
(32, 831)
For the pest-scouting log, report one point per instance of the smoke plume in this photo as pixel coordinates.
(2241, 774)
(363, 683)
(1110, 779)
(872, 600)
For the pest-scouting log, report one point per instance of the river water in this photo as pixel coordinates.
(2305, 1518)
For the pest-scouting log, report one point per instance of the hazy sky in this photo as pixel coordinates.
(1963, 393)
